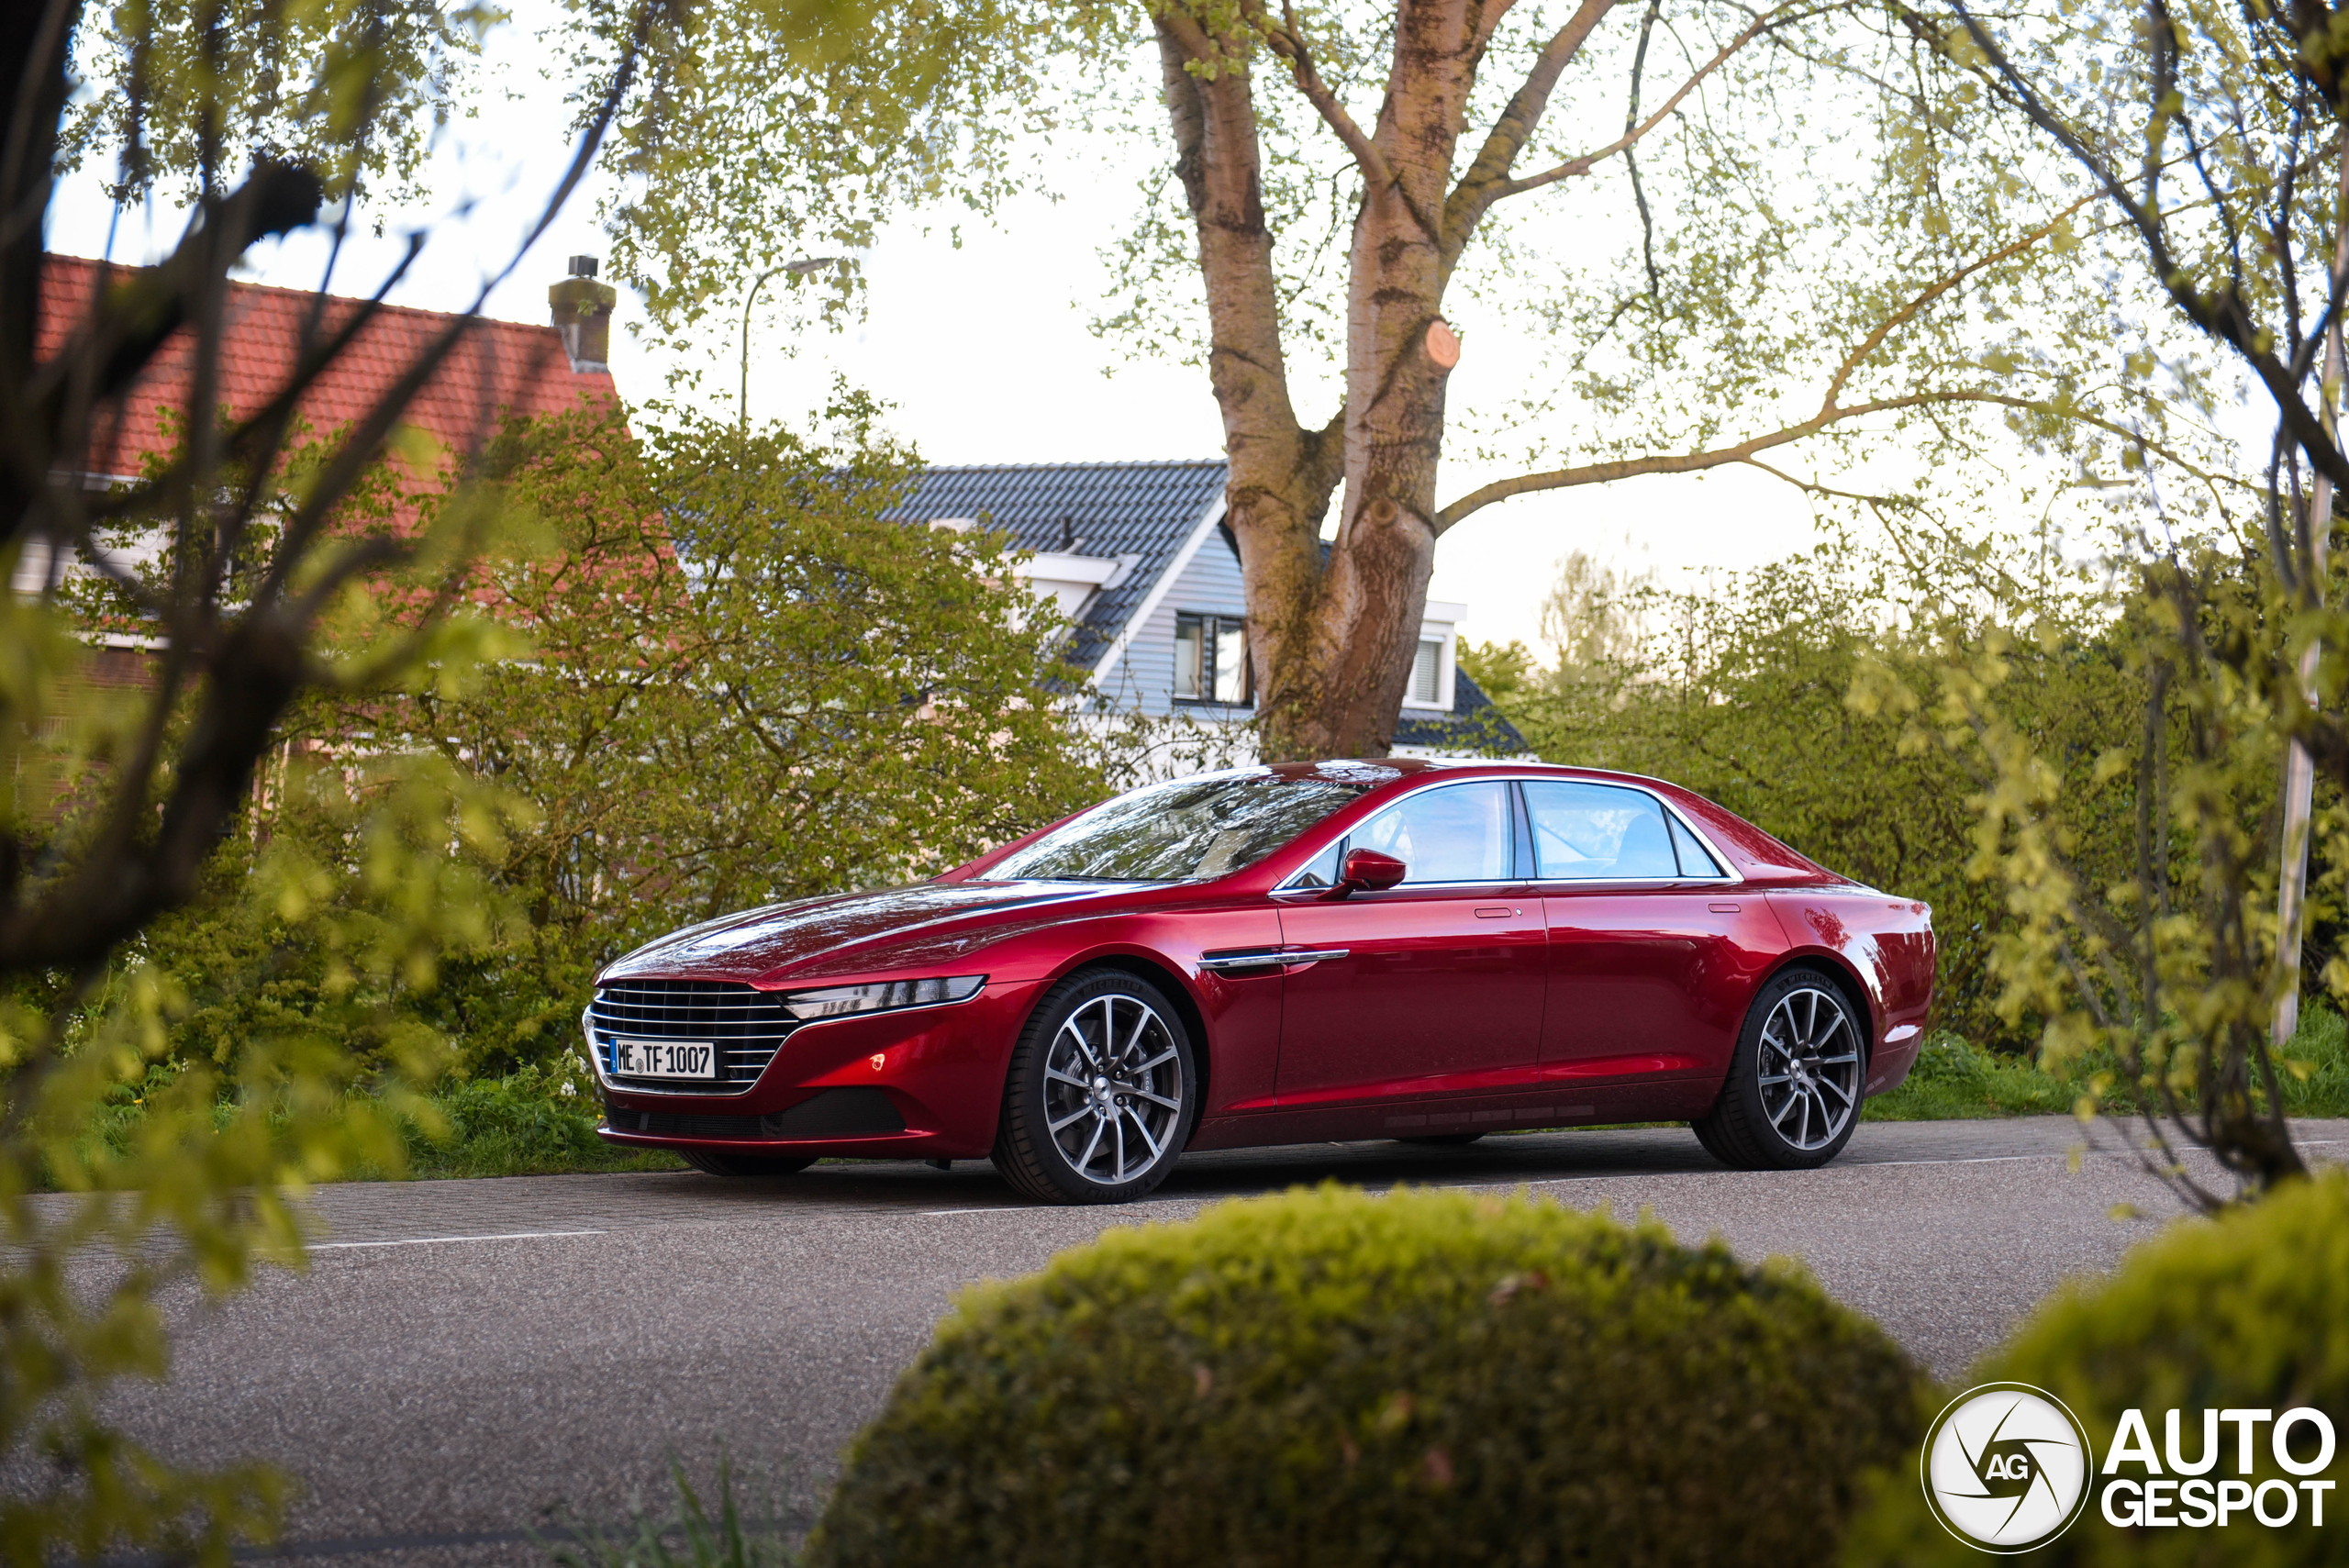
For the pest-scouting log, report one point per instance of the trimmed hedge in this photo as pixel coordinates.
(2249, 1311)
(1326, 1377)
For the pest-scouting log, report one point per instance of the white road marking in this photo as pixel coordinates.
(1632, 1175)
(436, 1240)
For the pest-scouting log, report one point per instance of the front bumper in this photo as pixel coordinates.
(922, 1083)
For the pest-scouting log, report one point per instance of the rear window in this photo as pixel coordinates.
(1186, 830)
(1589, 831)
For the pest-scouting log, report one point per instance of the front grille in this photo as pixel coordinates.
(747, 1026)
(831, 1113)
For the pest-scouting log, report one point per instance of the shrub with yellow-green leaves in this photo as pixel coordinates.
(1331, 1377)
(2243, 1312)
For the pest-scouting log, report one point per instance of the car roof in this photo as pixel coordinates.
(1397, 768)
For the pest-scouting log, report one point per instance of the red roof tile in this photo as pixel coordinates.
(499, 367)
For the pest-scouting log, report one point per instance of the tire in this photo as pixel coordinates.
(1444, 1140)
(1793, 1088)
(1068, 1133)
(711, 1163)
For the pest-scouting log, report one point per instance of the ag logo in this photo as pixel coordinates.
(2007, 1467)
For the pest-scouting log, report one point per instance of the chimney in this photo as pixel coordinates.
(583, 314)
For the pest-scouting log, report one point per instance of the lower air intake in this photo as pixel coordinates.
(830, 1113)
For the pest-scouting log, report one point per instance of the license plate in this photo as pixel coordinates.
(663, 1059)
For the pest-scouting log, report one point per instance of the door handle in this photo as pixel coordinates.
(1492, 912)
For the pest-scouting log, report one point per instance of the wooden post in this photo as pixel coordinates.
(2300, 769)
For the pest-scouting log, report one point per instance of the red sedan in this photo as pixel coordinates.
(1402, 949)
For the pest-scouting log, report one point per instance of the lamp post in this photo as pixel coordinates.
(798, 267)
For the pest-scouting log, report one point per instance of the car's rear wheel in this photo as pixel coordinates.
(1101, 1093)
(714, 1163)
(1444, 1140)
(1792, 1093)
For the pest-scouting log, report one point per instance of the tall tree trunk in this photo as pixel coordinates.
(1332, 644)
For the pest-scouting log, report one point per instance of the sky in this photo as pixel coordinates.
(983, 350)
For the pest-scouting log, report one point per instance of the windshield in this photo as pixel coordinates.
(1185, 831)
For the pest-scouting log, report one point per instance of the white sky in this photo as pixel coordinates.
(984, 351)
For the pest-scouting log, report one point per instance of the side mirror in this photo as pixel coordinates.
(1368, 871)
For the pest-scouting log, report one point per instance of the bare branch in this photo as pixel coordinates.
(1478, 188)
(1632, 158)
(1761, 24)
(1747, 450)
(1832, 410)
(1288, 42)
(2224, 315)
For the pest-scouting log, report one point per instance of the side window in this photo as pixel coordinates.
(1694, 860)
(1583, 830)
(1453, 833)
(1323, 871)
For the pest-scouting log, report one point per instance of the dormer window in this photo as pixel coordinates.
(1427, 670)
(1430, 685)
(1212, 660)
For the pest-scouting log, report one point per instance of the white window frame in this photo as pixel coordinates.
(1446, 638)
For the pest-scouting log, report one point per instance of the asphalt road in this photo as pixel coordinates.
(463, 1361)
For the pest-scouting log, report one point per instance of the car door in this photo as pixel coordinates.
(1431, 987)
(1652, 949)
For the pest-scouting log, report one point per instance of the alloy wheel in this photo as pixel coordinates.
(1810, 1068)
(1113, 1089)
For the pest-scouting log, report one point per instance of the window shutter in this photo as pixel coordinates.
(1426, 671)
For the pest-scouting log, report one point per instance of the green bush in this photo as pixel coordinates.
(1331, 1377)
(1742, 689)
(1954, 1079)
(527, 1123)
(2242, 1312)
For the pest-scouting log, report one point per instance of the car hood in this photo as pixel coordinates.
(895, 925)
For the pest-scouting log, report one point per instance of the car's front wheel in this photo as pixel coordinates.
(712, 1162)
(1101, 1093)
(1793, 1094)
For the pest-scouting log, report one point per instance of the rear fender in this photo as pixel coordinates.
(1882, 948)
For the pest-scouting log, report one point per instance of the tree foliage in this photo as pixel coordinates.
(747, 683)
(2214, 137)
(2164, 965)
(2081, 778)
(1740, 691)
(353, 93)
(263, 553)
(1700, 264)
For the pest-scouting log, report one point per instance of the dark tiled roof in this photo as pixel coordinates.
(1146, 510)
(1473, 724)
(1143, 509)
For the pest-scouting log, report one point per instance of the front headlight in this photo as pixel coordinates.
(838, 1001)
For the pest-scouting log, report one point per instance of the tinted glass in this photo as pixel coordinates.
(1694, 860)
(1458, 833)
(1185, 830)
(1322, 873)
(1597, 830)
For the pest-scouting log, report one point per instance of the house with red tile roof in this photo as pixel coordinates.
(499, 368)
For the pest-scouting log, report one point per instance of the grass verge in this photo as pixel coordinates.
(1957, 1080)
(525, 1125)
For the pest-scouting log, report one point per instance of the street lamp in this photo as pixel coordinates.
(798, 267)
